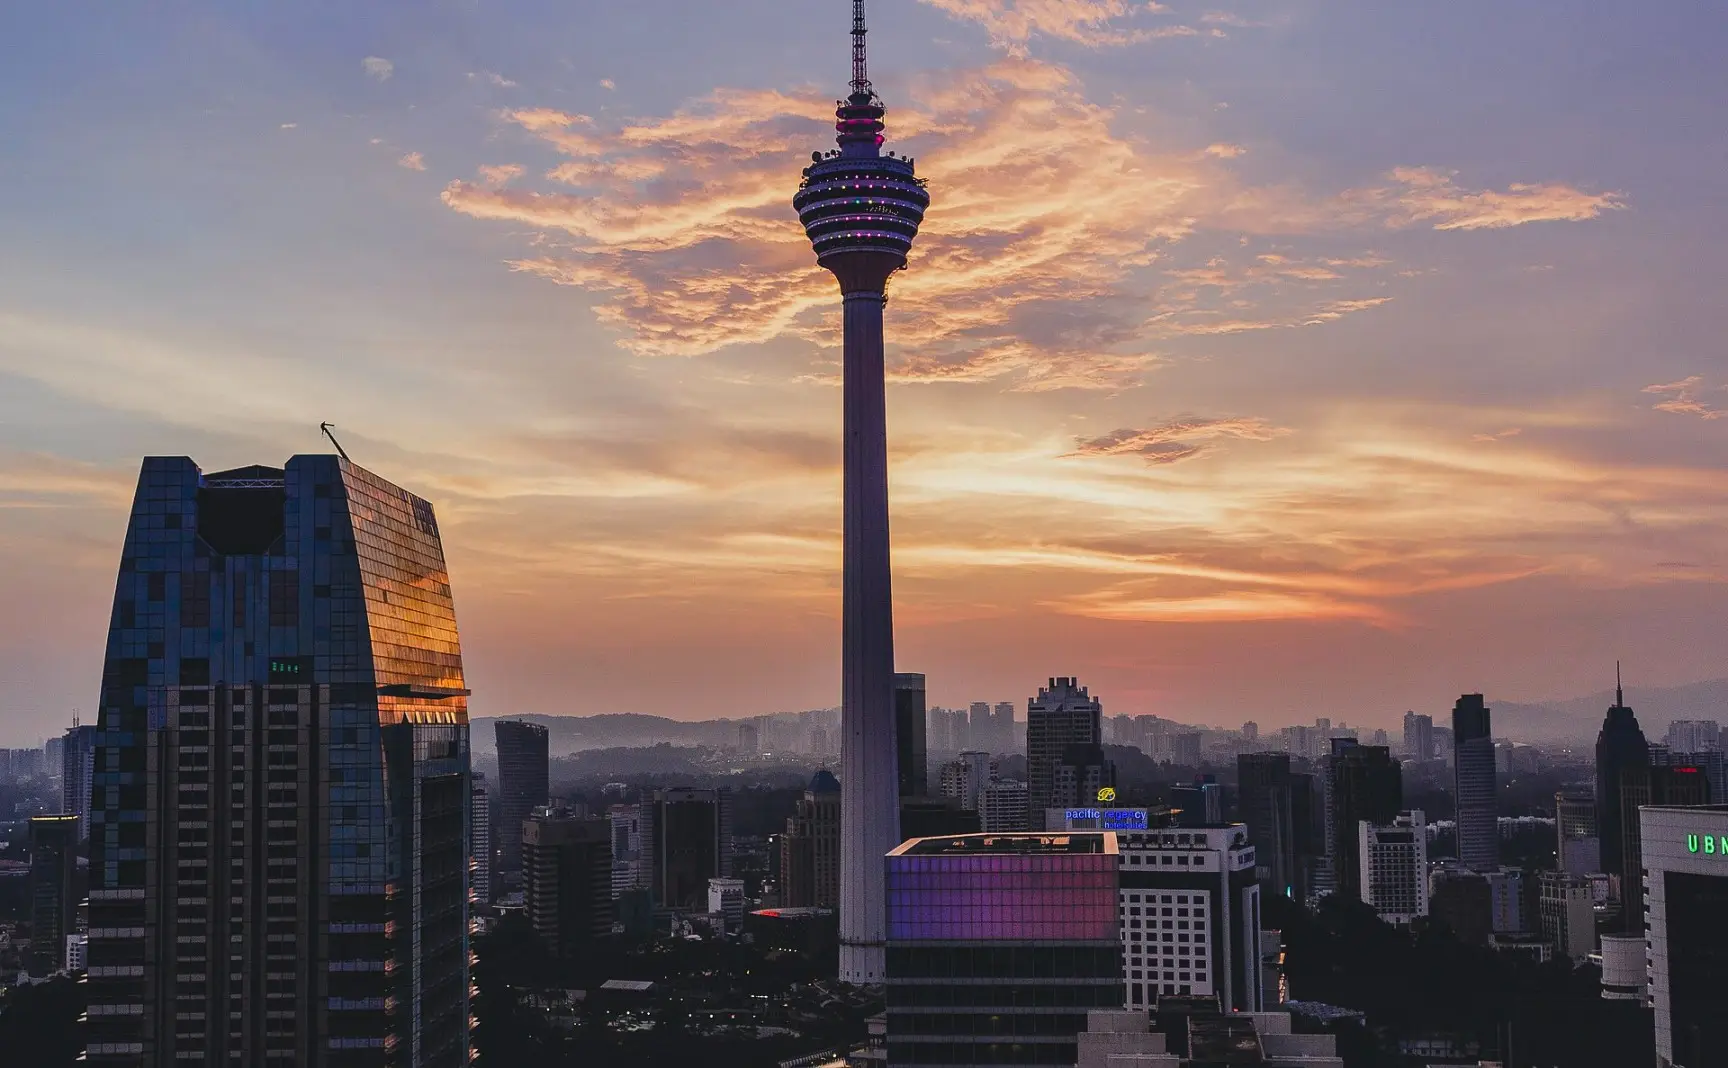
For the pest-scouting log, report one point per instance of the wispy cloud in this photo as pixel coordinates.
(1012, 24)
(492, 78)
(412, 161)
(1429, 195)
(1177, 440)
(1683, 398)
(496, 177)
(378, 68)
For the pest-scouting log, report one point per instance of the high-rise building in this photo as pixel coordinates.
(998, 944)
(567, 880)
(965, 777)
(1266, 807)
(53, 889)
(1250, 733)
(77, 762)
(1641, 786)
(1003, 723)
(524, 783)
(1199, 803)
(1394, 865)
(1619, 745)
(863, 242)
(1686, 864)
(1081, 777)
(1694, 735)
(1512, 898)
(726, 902)
(1711, 763)
(1063, 714)
(1190, 914)
(810, 848)
(632, 847)
(279, 823)
(1005, 807)
(1364, 784)
(911, 763)
(1476, 790)
(1567, 913)
(1578, 851)
(749, 738)
(692, 843)
(1185, 749)
(480, 840)
(1418, 736)
(1463, 901)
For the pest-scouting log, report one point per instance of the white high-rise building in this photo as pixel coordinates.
(726, 900)
(1395, 867)
(1685, 854)
(1568, 914)
(966, 777)
(1004, 807)
(77, 762)
(480, 840)
(1694, 735)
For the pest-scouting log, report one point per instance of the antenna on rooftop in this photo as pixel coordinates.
(326, 428)
(860, 66)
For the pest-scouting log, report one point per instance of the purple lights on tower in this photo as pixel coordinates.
(861, 211)
(996, 897)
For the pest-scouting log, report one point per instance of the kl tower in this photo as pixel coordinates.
(861, 210)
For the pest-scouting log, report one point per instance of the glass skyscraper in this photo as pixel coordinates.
(280, 798)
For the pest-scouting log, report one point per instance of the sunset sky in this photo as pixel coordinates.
(1260, 359)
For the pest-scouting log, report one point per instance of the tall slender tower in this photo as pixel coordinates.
(861, 210)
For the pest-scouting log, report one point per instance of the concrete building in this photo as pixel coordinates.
(1005, 807)
(77, 762)
(1620, 745)
(1394, 865)
(965, 777)
(480, 858)
(862, 258)
(1512, 901)
(1567, 914)
(1625, 971)
(632, 847)
(810, 848)
(1474, 783)
(1578, 851)
(1008, 976)
(77, 953)
(1685, 851)
(567, 880)
(1062, 715)
(1267, 805)
(1650, 785)
(1694, 735)
(1463, 900)
(726, 902)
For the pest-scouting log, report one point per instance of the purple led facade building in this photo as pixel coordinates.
(861, 210)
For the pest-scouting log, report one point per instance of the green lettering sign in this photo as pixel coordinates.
(1710, 845)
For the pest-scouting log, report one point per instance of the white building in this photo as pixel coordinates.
(1625, 974)
(1394, 863)
(480, 841)
(1005, 807)
(1694, 735)
(77, 952)
(632, 846)
(966, 777)
(1686, 896)
(1568, 914)
(1509, 899)
(726, 900)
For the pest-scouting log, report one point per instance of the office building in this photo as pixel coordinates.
(1694, 735)
(524, 783)
(1567, 914)
(726, 903)
(1190, 911)
(1266, 804)
(1005, 807)
(1578, 850)
(1199, 803)
(1062, 715)
(1475, 788)
(77, 762)
(1620, 745)
(810, 848)
(1512, 901)
(1394, 865)
(692, 843)
(279, 816)
(965, 777)
(1193, 1033)
(862, 257)
(53, 889)
(1185, 749)
(1363, 785)
(1686, 866)
(1711, 763)
(1418, 736)
(567, 880)
(1641, 786)
(480, 857)
(1003, 722)
(998, 944)
(1081, 777)
(632, 846)
(911, 763)
(1463, 901)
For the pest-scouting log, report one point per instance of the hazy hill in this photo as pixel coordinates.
(574, 734)
(1579, 718)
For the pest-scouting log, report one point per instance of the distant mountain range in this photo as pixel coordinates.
(574, 734)
(1579, 718)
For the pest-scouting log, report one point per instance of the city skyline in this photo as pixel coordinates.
(1238, 339)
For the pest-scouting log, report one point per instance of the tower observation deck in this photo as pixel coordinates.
(861, 210)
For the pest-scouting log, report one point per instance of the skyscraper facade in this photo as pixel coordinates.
(279, 816)
(53, 889)
(1394, 864)
(1474, 782)
(1577, 849)
(524, 783)
(1190, 916)
(1364, 785)
(1265, 805)
(1619, 745)
(1418, 736)
(1686, 858)
(1004, 807)
(1062, 715)
(77, 762)
(861, 211)
(480, 839)
(567, 880)
(692, 843)
(810, 848)
(1641, 786)
(911, 762)
(1693, 735)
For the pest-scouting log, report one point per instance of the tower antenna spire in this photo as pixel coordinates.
(1619, 694)
(860, 58)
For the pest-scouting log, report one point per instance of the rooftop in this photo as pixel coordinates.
(1005, 845)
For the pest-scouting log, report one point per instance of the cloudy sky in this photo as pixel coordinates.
(1259, 359)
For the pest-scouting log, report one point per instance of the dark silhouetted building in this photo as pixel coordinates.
(524, 774)
(692, 843)
(998, 944)
(810, 848)
(912, 764)
(1463, 900)
(1641, 786)
(1474, 781)
(1418, 736)
(1266, 806)
(925, 817)
(1365, 785)
(279, 818)
(1063, 714)
(53, 889)
(1199, 803)
(1619, 745)
(1081, 776)
(567, 880)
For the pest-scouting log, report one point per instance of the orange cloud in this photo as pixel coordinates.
(1683, 399)
(1012, 24)
(1426, 194)
(1173, 442)
(413, 161)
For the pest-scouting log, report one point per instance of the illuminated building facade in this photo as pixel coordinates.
(1685, 853)
(998, 945)
(280, 801)
(861, 210)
